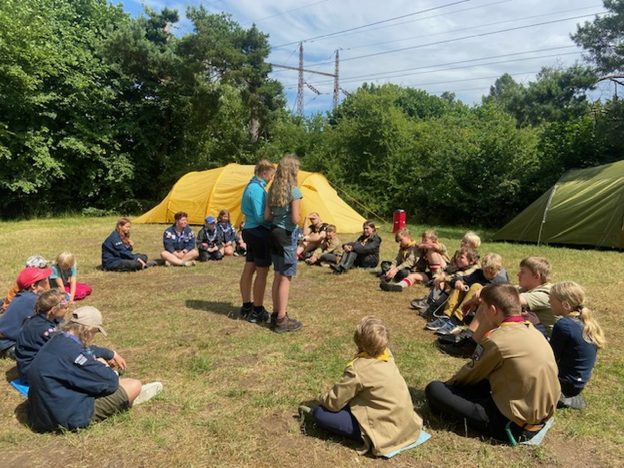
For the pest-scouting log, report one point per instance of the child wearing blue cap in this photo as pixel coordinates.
(210, 241)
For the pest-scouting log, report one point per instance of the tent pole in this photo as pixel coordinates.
(550, 197)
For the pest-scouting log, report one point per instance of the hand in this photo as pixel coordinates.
(459, 285)
(348, 248)
(391, 273)
(118, 362)
(103, 361)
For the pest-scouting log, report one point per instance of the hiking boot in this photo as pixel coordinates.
(437, 323)
(464, 348)
(148, 391)
(286, 324)
(448, 327)
(273, 320)
(151, 263)
(394, 287)
(337, 269)
(258, 315)
(576, 402)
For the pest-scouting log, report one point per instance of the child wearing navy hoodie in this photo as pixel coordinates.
(70, 387)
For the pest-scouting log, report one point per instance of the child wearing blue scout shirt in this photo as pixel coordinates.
(179, 243)
(256, 236)
(31, 282)
(70, 387)
(210, 241)
(575, 340)
(50, 310)
(227, 233)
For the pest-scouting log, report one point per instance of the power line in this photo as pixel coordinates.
(496, 23)
(472, 36)
(290, 11)
(435, 68)
(371, 24)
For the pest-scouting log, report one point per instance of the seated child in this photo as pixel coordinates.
(575, 340)
(464, 289)
(509, 389)
(329, 251)
(463, 263)
(433, 256)
(313, 235)
(371, 403)
(34, 261)
(31, 282)
(209, 241)
(227, 232)
(241, 246)
(64, 277)
(471, 240)
(71, 388)
(534, 289)
(50, 310)
(405, 260)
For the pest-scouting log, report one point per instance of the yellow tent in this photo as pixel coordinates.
(207, 192)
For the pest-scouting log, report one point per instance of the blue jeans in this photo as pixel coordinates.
(342, 423)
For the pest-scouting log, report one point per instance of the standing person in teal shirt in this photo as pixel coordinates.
(283, 209)
(256, 235)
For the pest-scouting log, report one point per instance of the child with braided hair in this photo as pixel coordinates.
(575, 341)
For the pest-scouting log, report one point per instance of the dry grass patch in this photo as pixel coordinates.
(232, 388)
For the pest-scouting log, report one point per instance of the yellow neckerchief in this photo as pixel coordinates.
(405, 251)
(363, 354)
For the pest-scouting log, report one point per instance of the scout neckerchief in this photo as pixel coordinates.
(211, 238)
(514, 319)
(363, 354)
(405, 251)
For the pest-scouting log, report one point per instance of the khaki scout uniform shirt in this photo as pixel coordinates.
(379, 400)
(519, 364)
(328, 246)
(537, 300)
(407, 257)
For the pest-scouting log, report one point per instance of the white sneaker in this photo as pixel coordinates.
(148, 391)
(189, 264)
(167, 263)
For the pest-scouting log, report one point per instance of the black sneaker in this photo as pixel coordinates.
(464, 348)
(287, 324)
(394, 287)
(245, 312)
(419, 304)
(258, 316)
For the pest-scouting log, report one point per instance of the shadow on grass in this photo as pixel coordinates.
(222, 308)
(21, 413)
(310, 429)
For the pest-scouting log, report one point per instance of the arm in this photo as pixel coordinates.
(169, 241)
(371, 247)
(486, 359)
(559, 339)
(72, 288)
(92, 377)
(190, 243)
(342, 392)
(295, 211)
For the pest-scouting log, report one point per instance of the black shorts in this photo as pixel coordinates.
(258, 242)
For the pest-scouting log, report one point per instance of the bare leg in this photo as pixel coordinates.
(246, 281)
(132, 388)
(259, 285)
(228, 250)
(190, 255)
(171, 258)
(281, 289)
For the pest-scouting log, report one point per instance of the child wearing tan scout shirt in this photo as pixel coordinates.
(510, 387)
(371, 403)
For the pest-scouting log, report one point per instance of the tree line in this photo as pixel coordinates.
(103, 111)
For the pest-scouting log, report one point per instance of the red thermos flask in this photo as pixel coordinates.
(398, 219)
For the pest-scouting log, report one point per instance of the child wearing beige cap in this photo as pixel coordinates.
(70, 387)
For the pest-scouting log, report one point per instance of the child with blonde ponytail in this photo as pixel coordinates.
(575, 341)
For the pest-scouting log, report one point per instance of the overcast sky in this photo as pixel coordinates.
(460, 46)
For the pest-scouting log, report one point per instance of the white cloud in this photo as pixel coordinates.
(443, 26)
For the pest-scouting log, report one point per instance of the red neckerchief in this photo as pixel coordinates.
(514, 318)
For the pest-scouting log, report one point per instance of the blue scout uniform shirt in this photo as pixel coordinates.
(252, 204)
(37, 330)
(64, 380)
(174, 241)
(21, 307)
(575, 357)
(113, 250)
(282, 214)
(227, 231)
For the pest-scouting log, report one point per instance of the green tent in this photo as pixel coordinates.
(585, 207)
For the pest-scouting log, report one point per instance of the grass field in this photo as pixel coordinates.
(232, 388)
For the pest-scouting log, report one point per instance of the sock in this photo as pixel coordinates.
(257, 308)
(406, 283)
(247, 305)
